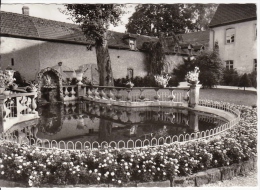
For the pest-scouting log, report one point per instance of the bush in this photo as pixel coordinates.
(253, 78)
(230, 77)
(182, 69)
(173, 81)
(211, 68)
(245, 81)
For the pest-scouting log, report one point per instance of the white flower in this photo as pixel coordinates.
(119, 181)
(2, 172)
(98, 178)
(18, 171)
(20, 166)
(112, 173)
(30, 182)
(2, 166)
(127, 173)
(47, 173)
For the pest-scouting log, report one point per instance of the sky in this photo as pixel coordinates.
(40, 8)
(51, 12)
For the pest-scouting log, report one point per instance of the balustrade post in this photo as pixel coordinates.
(33, 103)
(194, 95)
(142, 97)
(110, 94)
(81, 90)
(118, 96)
(2, 101)
(157, 96)
(172, 96)
(128, 98)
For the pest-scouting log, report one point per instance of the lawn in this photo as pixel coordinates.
(239, 97)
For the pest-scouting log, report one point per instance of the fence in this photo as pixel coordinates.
(183, 138)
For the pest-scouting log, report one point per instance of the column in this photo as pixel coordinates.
(194, 95)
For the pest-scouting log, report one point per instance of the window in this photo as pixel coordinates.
(230, 35)
(132, 44)
(229, 64)
(255, 64)
(12, 61)
(130, 73)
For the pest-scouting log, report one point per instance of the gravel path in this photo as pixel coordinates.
(250, 180)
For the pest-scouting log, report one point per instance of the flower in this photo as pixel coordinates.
(119, 181)
(193, 76)
(18, 171)
(162, 80)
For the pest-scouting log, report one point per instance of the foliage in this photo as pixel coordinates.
(6, 79)
(193, 76)
(230, 77)
(183, 68)
(116, 166)
(162, 80)
(151, 19)
(173, 81)
(202, 15)
(253, 78)
(211, 68)
(245, 81)
(94, 20)
(155, 57)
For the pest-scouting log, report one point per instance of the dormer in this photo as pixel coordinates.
(130, 40)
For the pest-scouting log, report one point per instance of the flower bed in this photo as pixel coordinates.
(120, 166)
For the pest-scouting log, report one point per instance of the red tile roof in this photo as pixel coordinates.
(233, 13)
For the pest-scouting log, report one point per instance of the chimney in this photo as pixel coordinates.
(25, 10)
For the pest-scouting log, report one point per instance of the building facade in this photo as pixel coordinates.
(234, 31)
(30, 44)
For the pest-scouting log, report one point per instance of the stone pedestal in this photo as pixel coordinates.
(194, 95)
(194, 121)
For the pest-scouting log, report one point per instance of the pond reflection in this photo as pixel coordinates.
(88, 121)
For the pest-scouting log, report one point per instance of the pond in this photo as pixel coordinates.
(89, 121)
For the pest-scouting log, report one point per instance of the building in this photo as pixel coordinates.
(234, 31)
(30, 44)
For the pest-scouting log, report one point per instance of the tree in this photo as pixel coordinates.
(151, 19)
(245, 81)
(156, 57)
(94, 20)
(202, 15)
(211, 68)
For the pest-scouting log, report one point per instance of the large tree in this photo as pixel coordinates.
(201, 15)
(94, 20)
(151, 19)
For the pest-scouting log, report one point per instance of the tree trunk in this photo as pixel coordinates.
(104, 63)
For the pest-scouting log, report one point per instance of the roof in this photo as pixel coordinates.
(233, 13)
(24, 26)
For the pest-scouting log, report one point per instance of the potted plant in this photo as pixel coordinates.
(6, 81)
(129, 84)
(162, 80)
(192, 77)
(33, 87)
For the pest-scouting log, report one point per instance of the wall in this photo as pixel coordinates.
(243, 50)
(25, 54)
(123, 59)
(30, 56)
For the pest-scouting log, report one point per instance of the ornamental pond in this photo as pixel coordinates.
(85, 121)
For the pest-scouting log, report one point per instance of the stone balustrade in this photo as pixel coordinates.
(134, 97)
(16, 108)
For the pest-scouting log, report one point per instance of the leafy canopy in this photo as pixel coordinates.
(151, 19)
(95, 19)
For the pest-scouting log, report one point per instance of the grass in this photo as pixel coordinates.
(239, 97)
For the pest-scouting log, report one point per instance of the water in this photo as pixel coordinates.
(88, 121)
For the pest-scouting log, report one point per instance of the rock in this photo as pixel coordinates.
(201, 179)
(155, 184)
(227, 172)
(184, 181)
(214, 175)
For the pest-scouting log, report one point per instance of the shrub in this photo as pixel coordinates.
(183, 68)
(211, 68)
(230, 77)
(253, 78)
(245, 81)
(173, 81)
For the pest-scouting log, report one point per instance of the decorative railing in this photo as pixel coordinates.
(70, 92)
(183, 138)
(16, 108)
(136, 94)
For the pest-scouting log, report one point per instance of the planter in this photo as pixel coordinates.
(79, 76)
